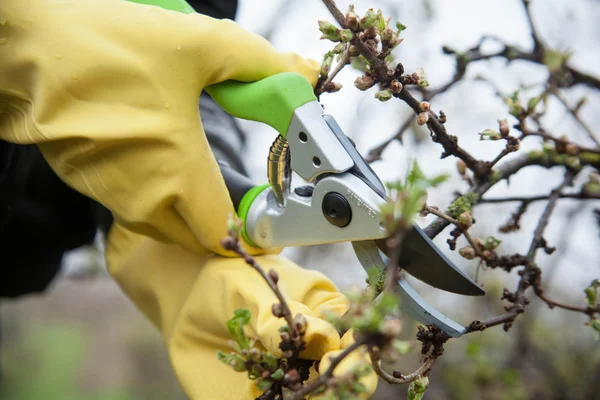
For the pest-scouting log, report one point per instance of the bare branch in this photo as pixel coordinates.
(325, 376)
(545, 218)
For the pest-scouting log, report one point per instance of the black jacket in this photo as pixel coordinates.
(41, 218)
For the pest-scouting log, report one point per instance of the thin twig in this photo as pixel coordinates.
(531, 199)
(551, 303)
(403, 379)
(335, 11)
(375, 154)
(324, 377)
(465, 232)
(545, 218)
(576, 116)
(339, 66)
(231, 243)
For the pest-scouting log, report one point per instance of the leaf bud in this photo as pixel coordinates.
(364, 82)
(369, 19)
(467, 252)
(346, 35)
(383, 95)
(387, 34)
(277, 310)
(352, 19)
(490, 134)
(466, 220)
(491, 243)
(300, 323)
(422, 118)
(503, 127)
(396, 86)
(329, 31)
(462, 167)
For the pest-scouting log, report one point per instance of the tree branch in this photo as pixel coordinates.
(324, 377)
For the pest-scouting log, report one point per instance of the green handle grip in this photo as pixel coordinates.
(271, 100)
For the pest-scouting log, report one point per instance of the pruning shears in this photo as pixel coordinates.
(343, 199)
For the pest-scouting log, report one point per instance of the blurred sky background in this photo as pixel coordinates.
(84, 340)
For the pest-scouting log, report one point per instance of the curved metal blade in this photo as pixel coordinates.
(412, 303)
(421, 258)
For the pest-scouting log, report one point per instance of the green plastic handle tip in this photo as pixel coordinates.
(173, 5)
(271, 100)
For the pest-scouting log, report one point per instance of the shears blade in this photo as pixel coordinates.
(421, 258)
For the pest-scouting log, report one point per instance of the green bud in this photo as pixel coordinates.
(417, 388)
(491, 243)
(573, 162)
(329, 31)
(270, 360)
(591, 293)
(595, 324)
(264, 384)
(384, 95)
(364, 82)
(369, 19)
(326, 64)
(277, 375)
(532, 103)
(400, 27)
(554, 59)
(423, 83)
(360, 63)
(352, 18)
(339, 48)
(346, 35)
(490, 134)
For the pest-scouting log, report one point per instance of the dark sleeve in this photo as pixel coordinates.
(40, 219)
(215, 8)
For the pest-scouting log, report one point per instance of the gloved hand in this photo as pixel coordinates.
(108, 90)
(191, 296)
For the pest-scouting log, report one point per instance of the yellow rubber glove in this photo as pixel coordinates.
(108, 90)
(190, 297)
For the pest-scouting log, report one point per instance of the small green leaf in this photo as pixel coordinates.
(277, 375)
(491, 243)
(360, 63)
(554, 59)
(595, 324)
(270, 360)
(369, 19)
(532, 103)
(384, 95)
(591, 293)
(417, 388)
(380, 24)
(235, 326)
(264, 384)
(400, 26)
(490, 134)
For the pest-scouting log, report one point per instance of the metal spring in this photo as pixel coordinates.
(279, 169)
